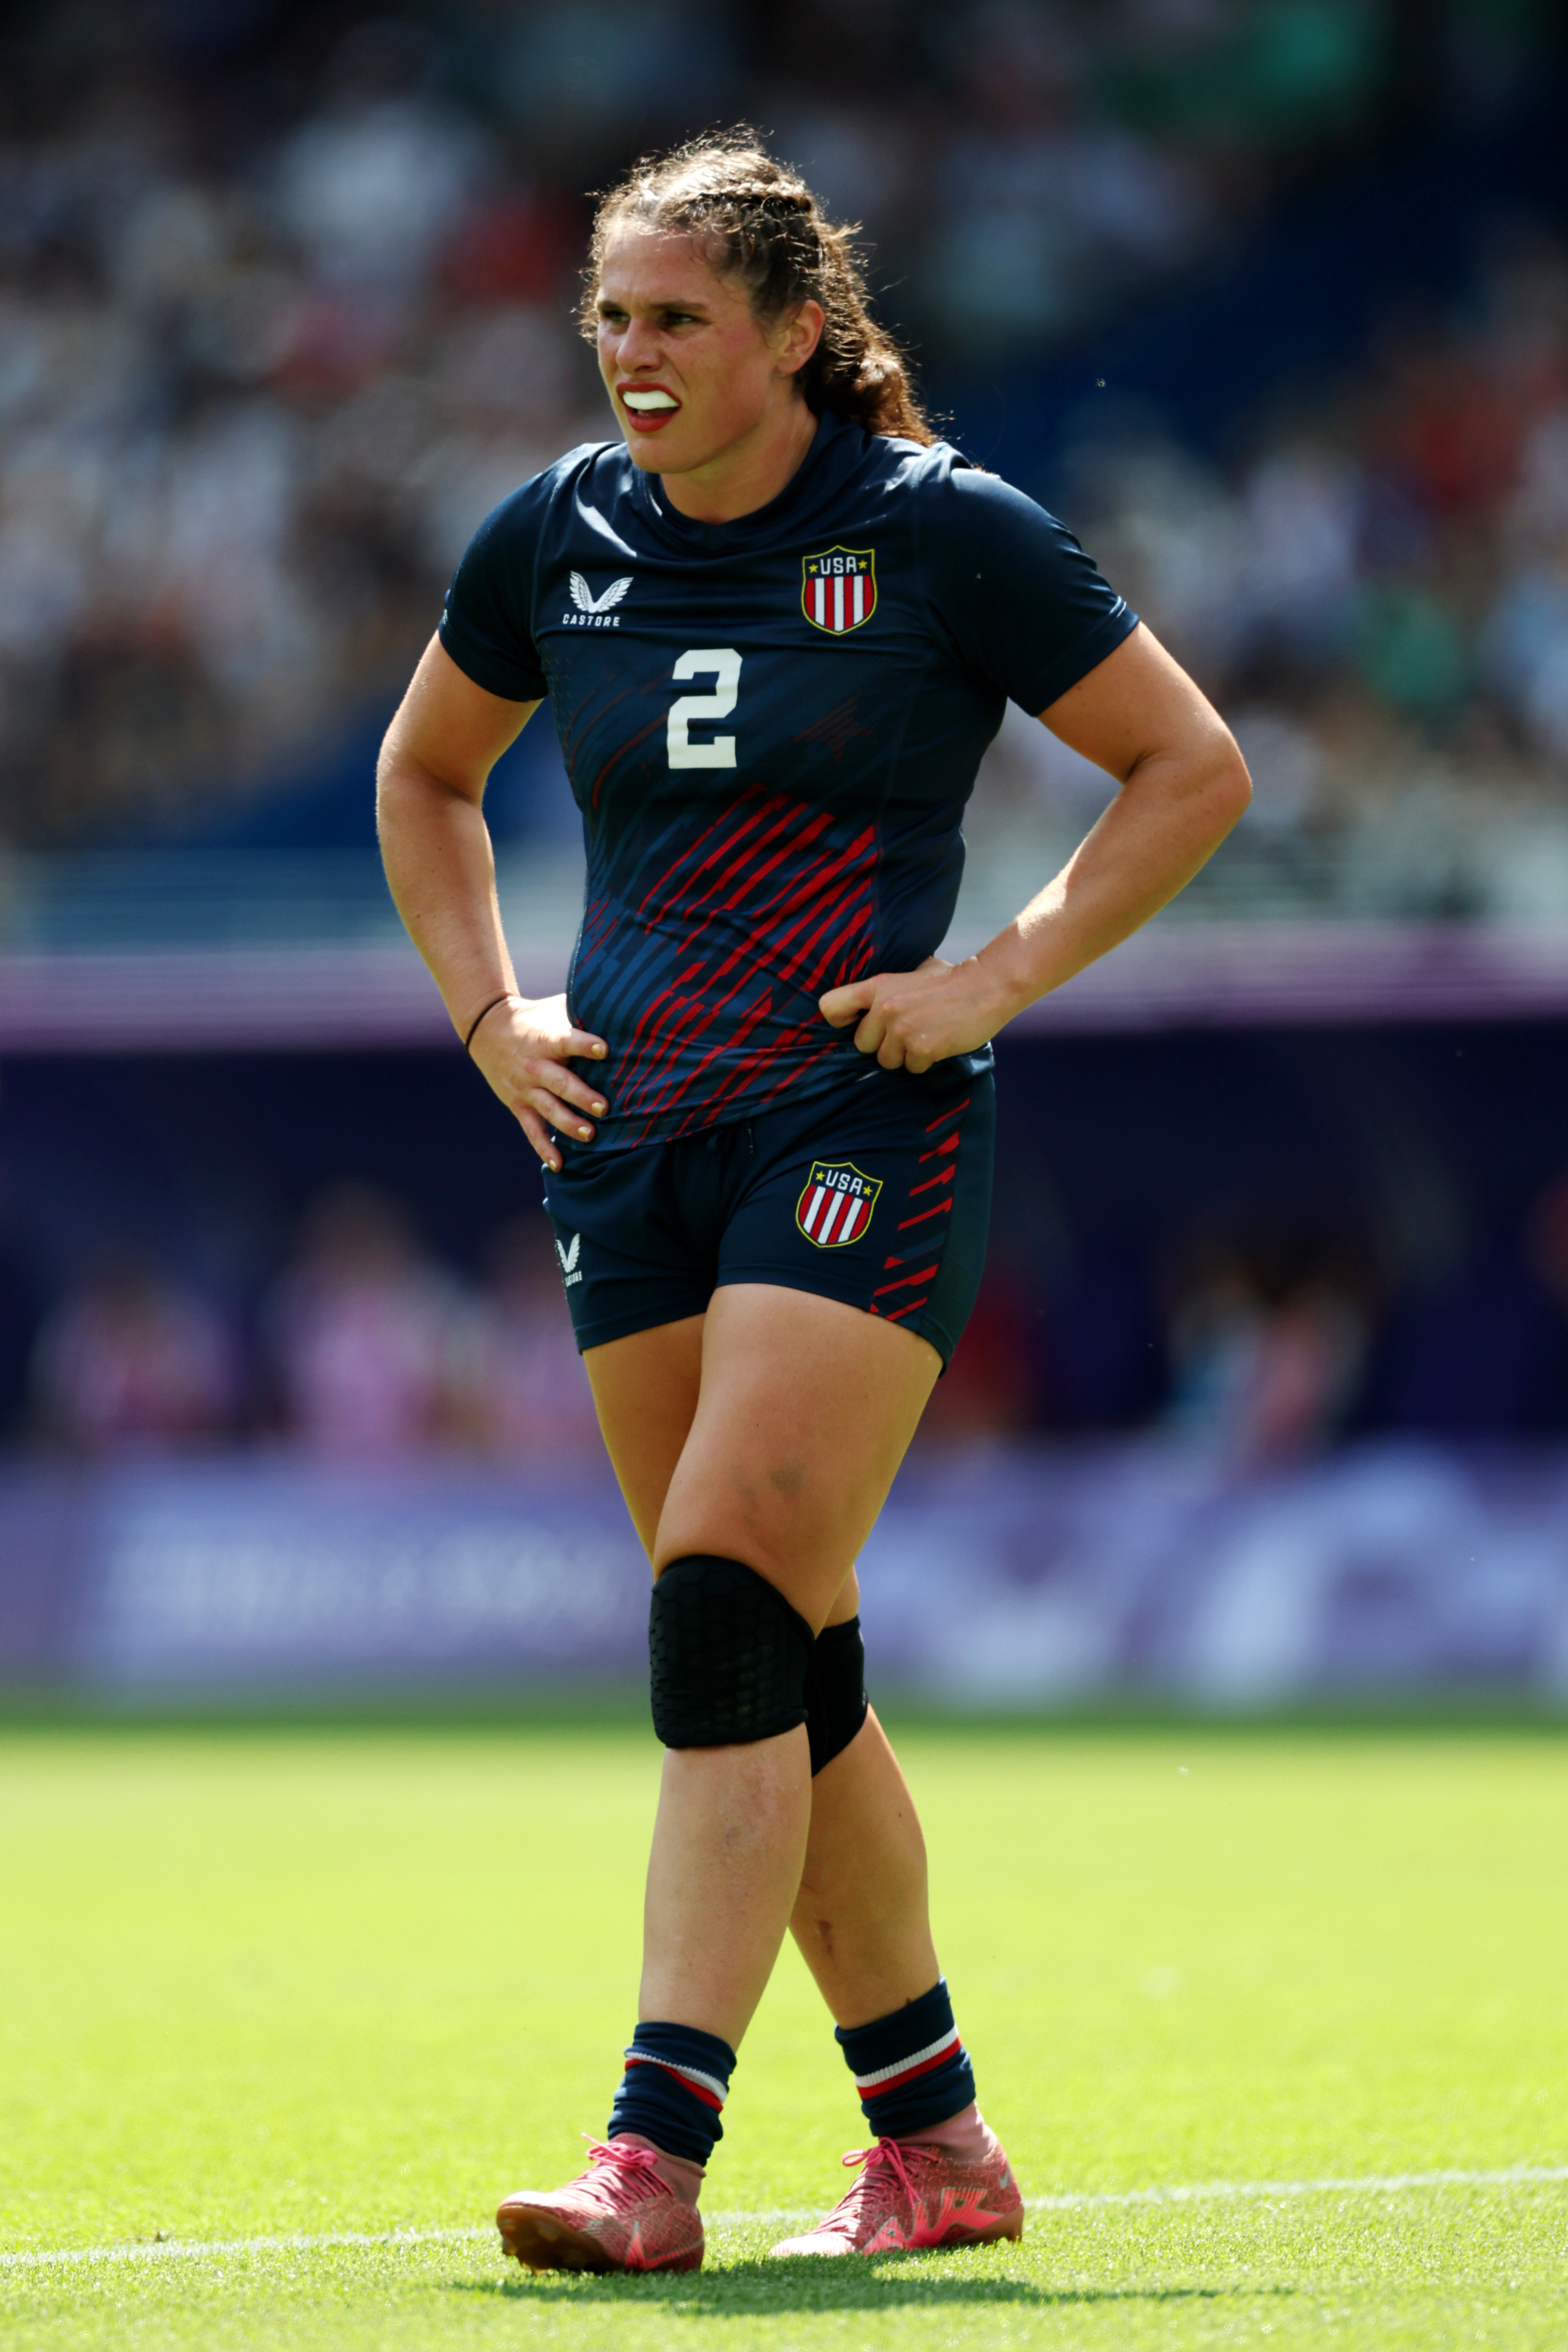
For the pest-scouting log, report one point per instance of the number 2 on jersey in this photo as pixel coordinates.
(721, 663)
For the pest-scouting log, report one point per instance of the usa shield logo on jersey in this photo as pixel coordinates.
(838, 588)
(836, 1205)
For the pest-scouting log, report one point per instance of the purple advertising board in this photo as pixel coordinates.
(1011, 1576)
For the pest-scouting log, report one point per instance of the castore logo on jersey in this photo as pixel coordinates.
(595, 612)
(836, 1205)
(838, 588)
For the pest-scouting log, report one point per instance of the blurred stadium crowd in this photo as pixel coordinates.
(1376, 592)
(364, 1349)
(285, 306)
(1256, 1344)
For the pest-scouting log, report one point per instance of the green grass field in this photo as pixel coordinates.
(298, 1986)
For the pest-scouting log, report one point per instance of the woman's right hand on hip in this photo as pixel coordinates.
(523, 1047)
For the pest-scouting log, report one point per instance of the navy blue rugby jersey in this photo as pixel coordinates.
(771, 728)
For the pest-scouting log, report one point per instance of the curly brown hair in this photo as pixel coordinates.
(759, 221)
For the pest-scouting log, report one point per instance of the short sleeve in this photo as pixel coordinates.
(1023, 602)
(484, 625)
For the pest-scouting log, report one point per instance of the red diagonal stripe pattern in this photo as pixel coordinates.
(718, 961)
(889, 1300)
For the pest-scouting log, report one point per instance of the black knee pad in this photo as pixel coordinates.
(836, 1703)
(729, 1655)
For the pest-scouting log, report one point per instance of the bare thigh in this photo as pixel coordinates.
(802, 1410)
(805, 1412)
(646, 1392)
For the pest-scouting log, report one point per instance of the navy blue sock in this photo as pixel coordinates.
(910, 2068)
(676, 2080)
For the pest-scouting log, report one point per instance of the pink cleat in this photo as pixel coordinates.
(914, 2195)
(620, 2215)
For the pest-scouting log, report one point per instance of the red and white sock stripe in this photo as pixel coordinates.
(706, 2087)
(919, 2062)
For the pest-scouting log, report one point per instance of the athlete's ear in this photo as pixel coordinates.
(802, 331)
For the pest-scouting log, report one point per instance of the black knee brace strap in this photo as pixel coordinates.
(729, 1656)
(836, 1703)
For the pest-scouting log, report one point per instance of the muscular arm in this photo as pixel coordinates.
(437, 760)
(447, 735)
(1184, 785)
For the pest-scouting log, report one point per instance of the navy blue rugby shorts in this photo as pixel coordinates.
(879, 1195)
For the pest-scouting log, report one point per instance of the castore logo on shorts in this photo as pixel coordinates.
(836, 1205)
(570, 1270)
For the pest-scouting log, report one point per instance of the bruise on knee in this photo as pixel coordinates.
(755, 1486)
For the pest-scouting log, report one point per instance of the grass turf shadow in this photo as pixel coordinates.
(750, 2290)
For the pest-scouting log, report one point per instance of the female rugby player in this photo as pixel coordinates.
(778, 621)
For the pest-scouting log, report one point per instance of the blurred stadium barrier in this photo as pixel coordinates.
(255, 950)
(242, 949)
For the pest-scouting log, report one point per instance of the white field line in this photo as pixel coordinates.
(1388, 2184)
(1385, 2184)
(186, 2250)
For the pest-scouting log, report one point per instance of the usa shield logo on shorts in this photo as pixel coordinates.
(838, 588)
(836, 1205)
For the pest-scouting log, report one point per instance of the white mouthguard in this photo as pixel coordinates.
(649, 399)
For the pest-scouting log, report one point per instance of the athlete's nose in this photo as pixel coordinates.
(639, 346)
